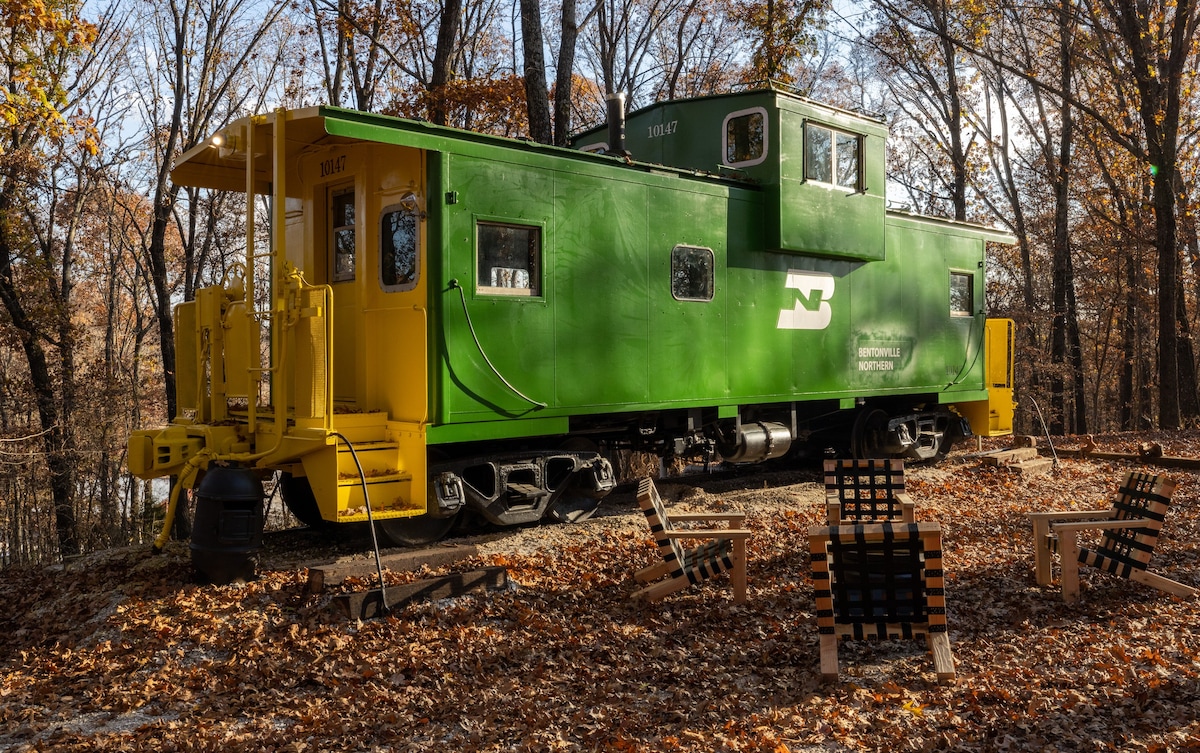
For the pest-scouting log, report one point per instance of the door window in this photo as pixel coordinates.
(342, 240)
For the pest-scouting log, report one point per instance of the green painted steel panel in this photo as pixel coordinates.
(806, 218)
(585, 344)
(486, 430)
(513, 333)
(605, 334)
(686, 344)
(853, 328)
(687, 134)
(601, 333)
(813, 218)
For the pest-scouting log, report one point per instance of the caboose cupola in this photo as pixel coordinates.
(821, 168)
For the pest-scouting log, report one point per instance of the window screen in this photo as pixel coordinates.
(818, 154)
(962, 294)
(692, 273)
(846, 152)
(745, 137)
(509, 259)
(832, 157)
(398, 238)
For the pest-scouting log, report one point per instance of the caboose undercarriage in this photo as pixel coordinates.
(518, 482)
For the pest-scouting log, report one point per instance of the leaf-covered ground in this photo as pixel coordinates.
(121, 651)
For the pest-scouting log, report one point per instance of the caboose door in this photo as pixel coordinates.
(344, 245)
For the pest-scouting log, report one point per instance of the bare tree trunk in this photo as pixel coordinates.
(55, 436)
(537, 102)
(1169, 414)
(163, 203)
(1127, 410)
(1065, 351)
(1189, 401)
(1062, 241)
(563, 82)
(443, 55)
(1147, 34)
(954, 125)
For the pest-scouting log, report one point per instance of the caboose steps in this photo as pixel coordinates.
(388, 485)
(388, 493)
(375, 457)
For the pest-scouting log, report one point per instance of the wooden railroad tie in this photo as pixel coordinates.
(1148, 453)
(367, 605)
(322, 575)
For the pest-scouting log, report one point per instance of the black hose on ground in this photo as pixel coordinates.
(362, 477)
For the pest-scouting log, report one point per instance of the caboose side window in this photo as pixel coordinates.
(745, 137)
(692, 273)
(962, 294)
(832, 157)
(341, 233)
(398, 247)
(509, 259)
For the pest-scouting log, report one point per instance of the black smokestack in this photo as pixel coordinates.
(616, 124)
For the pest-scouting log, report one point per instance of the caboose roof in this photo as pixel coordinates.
(219, 162)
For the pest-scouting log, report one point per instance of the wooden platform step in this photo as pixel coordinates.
(1035, 467)
(1024, 460)
(1009, 457)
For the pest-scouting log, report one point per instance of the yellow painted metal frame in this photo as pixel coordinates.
(993, 417)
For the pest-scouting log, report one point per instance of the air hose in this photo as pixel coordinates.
(362, 477)
(454, 284)
(1045, 430)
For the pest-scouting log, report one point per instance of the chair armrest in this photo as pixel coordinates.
(871, 531)
(904, 498)
(730, 517)
(833, 510)
(1070, 515)
(1087, 525)
(709, 533)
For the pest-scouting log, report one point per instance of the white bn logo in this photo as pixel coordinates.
(812, 309)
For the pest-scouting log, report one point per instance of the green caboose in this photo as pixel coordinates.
(481, 321)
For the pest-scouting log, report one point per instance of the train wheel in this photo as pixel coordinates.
(300, 501)
(868, 436)
(416, 531)
(947, 435)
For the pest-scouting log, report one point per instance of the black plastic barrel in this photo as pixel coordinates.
(227, 533)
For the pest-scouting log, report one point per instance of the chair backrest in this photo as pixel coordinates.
(1142, 496)
(866, 488)
(879, 580)
(656, 516)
